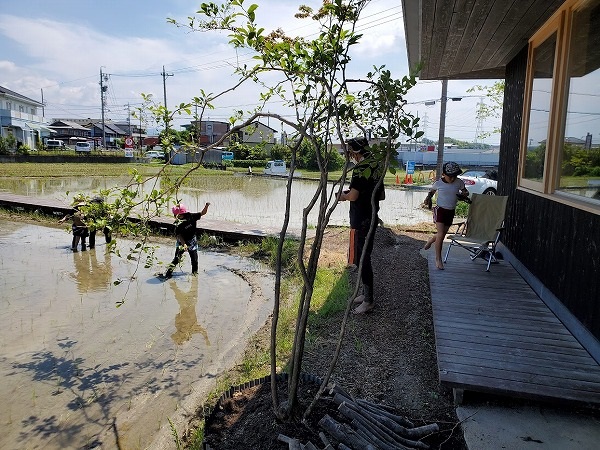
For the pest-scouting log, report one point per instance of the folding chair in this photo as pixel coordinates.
(479, 235)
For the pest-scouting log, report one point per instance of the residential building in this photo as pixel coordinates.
(114, 130)
(257, 133)
(211, 131)
(69, 131)
(547, 54)
(111, 133)
(20, 116)
(208, 131)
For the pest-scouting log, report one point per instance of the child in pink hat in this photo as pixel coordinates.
(185, 232)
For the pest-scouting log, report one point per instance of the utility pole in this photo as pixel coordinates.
(103, 89)
(196, 125)
(141, 141)
(43, 112)
(440, 154)
(165, 75)
(479, 128)
(128, 120)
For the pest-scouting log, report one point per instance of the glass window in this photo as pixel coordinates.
(539, 115)
(580, 152)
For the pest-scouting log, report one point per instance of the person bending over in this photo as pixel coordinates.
(185, 233)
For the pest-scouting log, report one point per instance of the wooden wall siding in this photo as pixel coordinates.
(557, 243)
(472, 38)
(512, 115)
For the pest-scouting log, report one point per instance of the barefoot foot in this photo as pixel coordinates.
(439, 265)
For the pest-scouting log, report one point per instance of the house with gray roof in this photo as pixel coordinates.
(20, 117)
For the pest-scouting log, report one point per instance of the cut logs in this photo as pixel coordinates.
(370, 427)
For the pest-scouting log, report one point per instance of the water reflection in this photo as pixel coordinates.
(186, 320)
(70, 358)
(252, 200)
(92, 275)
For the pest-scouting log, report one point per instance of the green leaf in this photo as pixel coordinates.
(251, 14)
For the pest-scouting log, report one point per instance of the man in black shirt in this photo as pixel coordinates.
(359, 195)
(185, 232)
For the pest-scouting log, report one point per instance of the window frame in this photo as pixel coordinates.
(561, 23)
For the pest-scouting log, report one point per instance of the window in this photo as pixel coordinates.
(560, 142)
(539, 111)
(580, 153)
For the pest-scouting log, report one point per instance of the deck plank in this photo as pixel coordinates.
(494, 334)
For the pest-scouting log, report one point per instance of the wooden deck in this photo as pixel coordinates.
(231, 231)
(494, 334)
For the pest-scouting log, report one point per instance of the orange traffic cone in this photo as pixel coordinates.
(397, 179)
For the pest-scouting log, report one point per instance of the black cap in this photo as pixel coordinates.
(358, 144)
(451, 169)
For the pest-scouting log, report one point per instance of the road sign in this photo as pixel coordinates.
(128, 142)
(410, 167)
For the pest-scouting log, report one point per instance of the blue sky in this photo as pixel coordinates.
(60, 46)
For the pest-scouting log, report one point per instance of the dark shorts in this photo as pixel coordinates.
(442, 215)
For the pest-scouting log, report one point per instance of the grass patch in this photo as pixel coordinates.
(53, 170)
(331, 291)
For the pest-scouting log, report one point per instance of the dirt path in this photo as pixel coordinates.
(388, 356)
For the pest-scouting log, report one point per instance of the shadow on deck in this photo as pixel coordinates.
(495, 335)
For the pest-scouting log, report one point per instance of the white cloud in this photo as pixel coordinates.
(62, 52)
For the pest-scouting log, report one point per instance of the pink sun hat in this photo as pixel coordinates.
(179, 209)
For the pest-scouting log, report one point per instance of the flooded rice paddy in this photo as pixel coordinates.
(78, 372)
(244, 199)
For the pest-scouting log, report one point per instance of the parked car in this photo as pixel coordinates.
(481, 181)
(83, 147)
(54, 143)
(153, 154)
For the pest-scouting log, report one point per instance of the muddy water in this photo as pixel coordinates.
(252, 200)
(77, 372)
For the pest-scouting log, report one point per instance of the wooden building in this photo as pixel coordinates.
(548, 53)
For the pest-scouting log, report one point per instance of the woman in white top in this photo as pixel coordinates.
(449, 188)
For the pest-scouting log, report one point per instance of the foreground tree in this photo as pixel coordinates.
(329, 106)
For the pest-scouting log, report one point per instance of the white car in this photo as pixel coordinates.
(480, 181)
(153, 154)
(55, 143)
(83, 147)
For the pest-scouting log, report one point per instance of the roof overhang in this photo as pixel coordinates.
(38, 127)
(469, 39)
